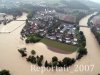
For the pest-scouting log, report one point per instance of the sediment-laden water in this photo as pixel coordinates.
(10, 58)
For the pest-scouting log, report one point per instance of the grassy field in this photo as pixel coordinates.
(58, 45)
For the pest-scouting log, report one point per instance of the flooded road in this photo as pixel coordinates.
(10, 58)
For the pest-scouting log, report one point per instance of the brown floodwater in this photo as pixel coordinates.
(10, 58)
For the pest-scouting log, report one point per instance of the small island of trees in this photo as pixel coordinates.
(22, 51)
(4, 72)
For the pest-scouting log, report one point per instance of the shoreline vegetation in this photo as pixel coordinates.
(94, 28)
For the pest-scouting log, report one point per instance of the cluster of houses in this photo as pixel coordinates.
(65, 33)
(4, 18)
(46, 25)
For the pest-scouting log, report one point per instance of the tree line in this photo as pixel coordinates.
(38, 60)
(81, 44)
(94, 28)
(96, 33)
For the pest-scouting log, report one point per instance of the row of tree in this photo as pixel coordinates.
(89, 20)
(36, 60)
(66, 62)
(94, 28)
(81, 44)
(96, 33)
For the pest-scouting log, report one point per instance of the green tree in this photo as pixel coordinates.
(4, 72)
(22, 52)
(40, 60)
(54, 64)
(81, 52)
(46, 63)
(31, 59)
(33, 52)
(54, 59)
(30, 15)
(68, 61)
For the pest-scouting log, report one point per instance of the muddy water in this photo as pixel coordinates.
(11, 59)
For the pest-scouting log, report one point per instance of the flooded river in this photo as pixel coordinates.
(10, 58)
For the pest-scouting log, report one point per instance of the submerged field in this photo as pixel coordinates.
(58, 45)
